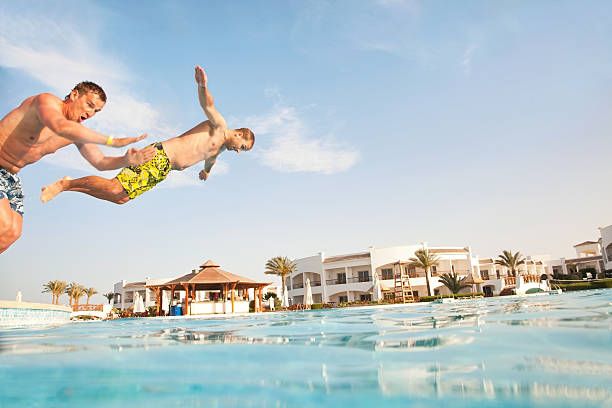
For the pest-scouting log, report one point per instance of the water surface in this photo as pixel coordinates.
(498, 352)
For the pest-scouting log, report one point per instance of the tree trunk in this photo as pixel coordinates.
(427, 277)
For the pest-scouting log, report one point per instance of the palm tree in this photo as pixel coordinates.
(75, 291)
(281, 266)
(109, 296)
(453, 283)
(79, 292)
(425, 260)
(56, 288)
(89, 292)
(510, 261)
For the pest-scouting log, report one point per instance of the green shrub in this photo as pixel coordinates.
(316, 306)
(459, 295)
(586, 285)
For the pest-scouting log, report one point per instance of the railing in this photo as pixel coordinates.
(360, 279)
(342, 281)
(87, 308)
(531, 278)
(299, 285)
(511, 280)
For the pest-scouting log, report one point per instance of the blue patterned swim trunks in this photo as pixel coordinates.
(10, 188)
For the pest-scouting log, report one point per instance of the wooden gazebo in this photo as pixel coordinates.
(209, 277)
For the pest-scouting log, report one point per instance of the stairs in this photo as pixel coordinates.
(402, 290)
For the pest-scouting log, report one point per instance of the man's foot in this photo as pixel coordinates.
(53, 189)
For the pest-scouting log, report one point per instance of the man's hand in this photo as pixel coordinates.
(124, 141)
(200, 76)
(204, 175)
(135, 157)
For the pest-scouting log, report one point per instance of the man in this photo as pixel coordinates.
(204, 142)
(39, 126)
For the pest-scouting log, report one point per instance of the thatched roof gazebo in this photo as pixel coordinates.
(472, 279)
(209, 277)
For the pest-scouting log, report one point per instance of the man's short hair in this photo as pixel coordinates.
(87, 86)
(247, 135)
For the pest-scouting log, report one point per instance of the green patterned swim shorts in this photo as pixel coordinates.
(138, 179)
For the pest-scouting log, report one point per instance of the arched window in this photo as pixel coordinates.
(609, 252)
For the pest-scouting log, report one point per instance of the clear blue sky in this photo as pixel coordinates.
(377, 122)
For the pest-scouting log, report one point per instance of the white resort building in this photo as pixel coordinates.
(125, 293)
(593, 258)
(349, 277)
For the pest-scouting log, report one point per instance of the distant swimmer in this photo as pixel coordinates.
(39, 126)
(204, 142)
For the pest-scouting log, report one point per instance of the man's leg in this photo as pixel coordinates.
(104, 189)
(10, 225)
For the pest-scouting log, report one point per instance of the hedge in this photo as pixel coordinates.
(459, 295)
(586, 285)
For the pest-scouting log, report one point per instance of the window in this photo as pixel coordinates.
(484, 273)
(367, 297)
(343, 299)
(341, 278)
(364, 276)
(387, 273)
(434, 269)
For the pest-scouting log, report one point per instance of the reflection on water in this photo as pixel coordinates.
(532, 351)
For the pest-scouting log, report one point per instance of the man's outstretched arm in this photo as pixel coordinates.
(208, 164)
(132, 157)
(206, 100)
(51, 116)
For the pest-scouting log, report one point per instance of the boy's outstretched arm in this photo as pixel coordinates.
(206, 100)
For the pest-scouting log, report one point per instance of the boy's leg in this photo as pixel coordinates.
(10, 225)
(104, 189)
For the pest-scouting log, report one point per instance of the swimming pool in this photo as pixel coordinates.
(551, 350)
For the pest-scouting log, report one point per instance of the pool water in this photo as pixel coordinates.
(553, 351)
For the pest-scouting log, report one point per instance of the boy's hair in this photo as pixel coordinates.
(247, 135)
(87, 86)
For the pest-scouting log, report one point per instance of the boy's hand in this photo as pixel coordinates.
(136, 157)
(200, 76)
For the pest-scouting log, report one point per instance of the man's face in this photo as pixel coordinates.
(237, 142)
(84, 106)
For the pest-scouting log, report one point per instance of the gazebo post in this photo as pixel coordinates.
(259, 293)
(157, 292)
(233, 287)
(186, 287)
